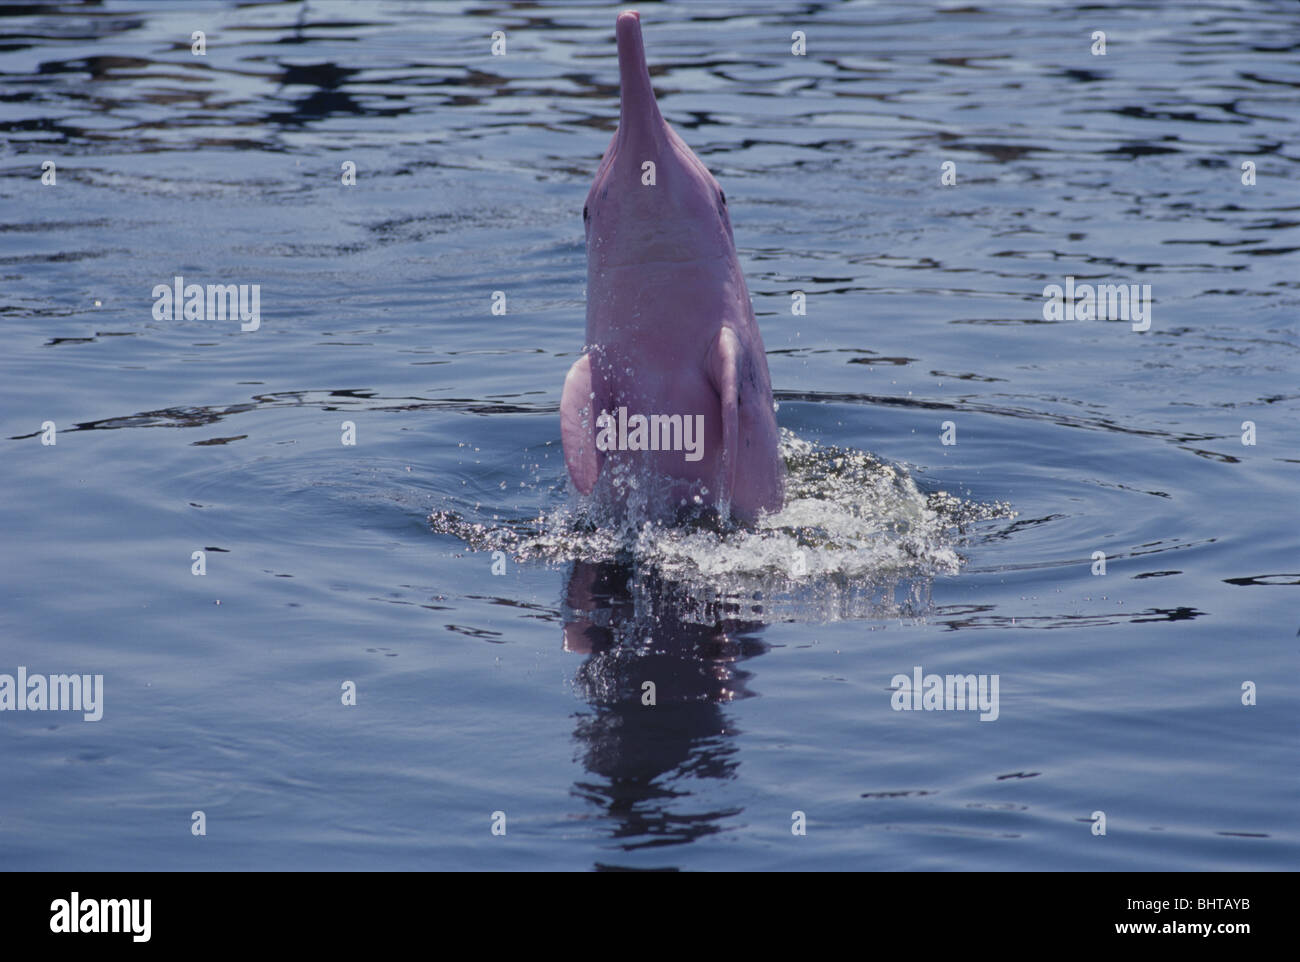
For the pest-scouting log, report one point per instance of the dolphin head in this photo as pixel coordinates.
(682, 216)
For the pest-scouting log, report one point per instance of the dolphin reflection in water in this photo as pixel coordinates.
(640, 646)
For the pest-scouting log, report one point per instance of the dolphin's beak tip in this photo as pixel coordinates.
(628, 25)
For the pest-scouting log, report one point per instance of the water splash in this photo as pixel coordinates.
(857, 537)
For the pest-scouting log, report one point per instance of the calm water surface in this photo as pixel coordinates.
(520, 692)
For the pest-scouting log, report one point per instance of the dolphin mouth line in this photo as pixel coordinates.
(642, 261)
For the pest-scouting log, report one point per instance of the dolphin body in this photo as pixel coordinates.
(670, 329)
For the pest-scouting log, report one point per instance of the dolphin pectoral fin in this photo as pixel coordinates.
(724, 375)
(579, 408)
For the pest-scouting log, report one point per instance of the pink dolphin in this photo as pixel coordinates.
(670, 330)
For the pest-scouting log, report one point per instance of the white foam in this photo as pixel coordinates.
(856, 537)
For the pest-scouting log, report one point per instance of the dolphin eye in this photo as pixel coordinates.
(585, 215)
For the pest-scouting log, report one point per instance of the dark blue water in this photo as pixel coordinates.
(520, 692)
